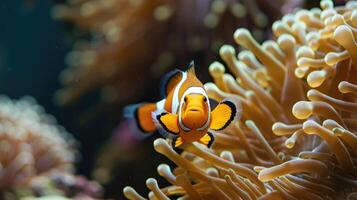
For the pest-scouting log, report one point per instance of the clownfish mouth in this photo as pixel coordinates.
(194, 118)
(194, 109)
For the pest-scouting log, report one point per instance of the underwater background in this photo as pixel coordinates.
(32, 50)
(38, 44)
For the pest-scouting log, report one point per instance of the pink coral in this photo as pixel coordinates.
(32, 143)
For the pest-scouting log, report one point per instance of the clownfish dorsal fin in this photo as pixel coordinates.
(169, 81)
(191, 69)
(223, 115)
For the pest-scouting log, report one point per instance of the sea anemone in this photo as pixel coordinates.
(296, 138)
(31, 143)
(133, 41)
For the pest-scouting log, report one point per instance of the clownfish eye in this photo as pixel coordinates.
(204, 99)
(185, 99)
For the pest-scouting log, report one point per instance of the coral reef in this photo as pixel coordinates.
(132, 40)
(296, 138)
(66, 185)
(30, 142)
(36, 155)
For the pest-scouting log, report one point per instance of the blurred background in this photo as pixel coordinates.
(83, 60)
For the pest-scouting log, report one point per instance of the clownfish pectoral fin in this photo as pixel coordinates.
(223, 115)
(176, 142)
(169, 122)
(142, 116)
(207, 139)
(170, 81)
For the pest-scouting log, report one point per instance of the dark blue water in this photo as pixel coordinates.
(31, 50)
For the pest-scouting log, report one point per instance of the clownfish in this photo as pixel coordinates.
(184, 115)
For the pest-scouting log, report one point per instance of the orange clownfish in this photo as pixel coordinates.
(184, 115)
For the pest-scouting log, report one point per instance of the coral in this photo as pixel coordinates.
(36, 155)
(66, 185)
(31, 143)
(134, 40)
(297, 133)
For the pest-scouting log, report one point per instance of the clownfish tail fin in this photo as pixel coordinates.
(141, 114)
